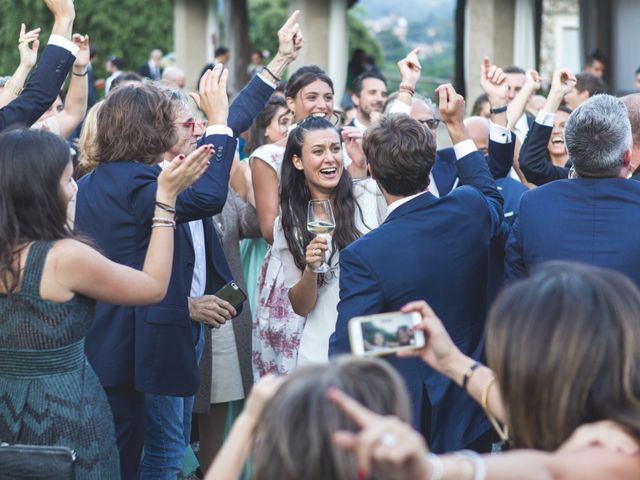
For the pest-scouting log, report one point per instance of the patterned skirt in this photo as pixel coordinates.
(277, 329)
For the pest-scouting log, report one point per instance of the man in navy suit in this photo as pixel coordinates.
(588, 218)
(428, 248)
(50, 73)
(153, 350)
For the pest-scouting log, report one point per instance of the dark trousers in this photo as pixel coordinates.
(127, 407)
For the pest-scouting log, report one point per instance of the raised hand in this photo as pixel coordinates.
(451, 109)
(494, 83)
(562, 81)
(352, 138)
(410, 68)
(83, 55)
(533, 81)
(61, 8)
(387, 443)
(290, 38)
(63, 13)
(28, 44)
(181, 173)
(439, 350)
(213, 99)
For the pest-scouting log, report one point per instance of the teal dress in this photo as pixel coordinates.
(49, 394)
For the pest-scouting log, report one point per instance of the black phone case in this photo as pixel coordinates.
(232, 293)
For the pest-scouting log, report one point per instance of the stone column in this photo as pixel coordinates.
(191, 39)
(488, 31)
(324, 24)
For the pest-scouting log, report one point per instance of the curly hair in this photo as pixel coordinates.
(136, 122)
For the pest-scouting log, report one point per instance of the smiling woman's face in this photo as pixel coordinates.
(321, 161)
(556, 145)
(314, 99)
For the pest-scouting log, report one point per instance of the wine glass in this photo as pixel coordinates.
(320, 222)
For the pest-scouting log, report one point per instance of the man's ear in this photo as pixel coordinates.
(355, 100)
(297, 162)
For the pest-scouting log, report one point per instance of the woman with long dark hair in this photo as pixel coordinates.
(49, 394)
(313, 169)
(563, 350)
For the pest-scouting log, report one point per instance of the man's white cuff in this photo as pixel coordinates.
(62, 42)
(464, 148)
(218, 130)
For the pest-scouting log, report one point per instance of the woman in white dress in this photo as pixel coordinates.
(313, 169)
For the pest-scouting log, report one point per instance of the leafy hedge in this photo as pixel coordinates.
(127, 28)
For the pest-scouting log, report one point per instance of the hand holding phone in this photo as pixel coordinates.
(385, 333)
(232, 293)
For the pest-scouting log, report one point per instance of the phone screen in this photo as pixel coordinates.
(386, 333)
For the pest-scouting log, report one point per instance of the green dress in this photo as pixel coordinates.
(49, 394)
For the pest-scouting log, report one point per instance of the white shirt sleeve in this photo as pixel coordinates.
(268, 82)
(399, 107)
(218, 130)
(62, 42)
(464, 148)
(499, 134)
(545, 118)
(291, 273)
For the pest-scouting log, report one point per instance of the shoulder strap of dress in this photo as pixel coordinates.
(34, 265)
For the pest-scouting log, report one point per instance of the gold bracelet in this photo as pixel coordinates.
(503, 432)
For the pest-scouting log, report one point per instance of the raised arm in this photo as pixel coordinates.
(501, 144)
(534, 158)
(81, 269)
(75, 104)
(28, 44)
(207, 196)
(471, 165)
(517, 107)
(48, 77)
(252, 99)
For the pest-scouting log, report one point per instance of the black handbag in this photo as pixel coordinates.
(36, 462)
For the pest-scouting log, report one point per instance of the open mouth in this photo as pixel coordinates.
(329, 172)
(319, 114)
(557, 140)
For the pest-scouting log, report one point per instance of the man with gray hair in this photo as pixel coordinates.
(585, 218)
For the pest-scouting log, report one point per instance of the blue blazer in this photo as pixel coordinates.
(152, 347)
(587, 220)
(435, 250)
(41, 90)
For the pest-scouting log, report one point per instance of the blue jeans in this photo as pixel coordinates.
(167, 431)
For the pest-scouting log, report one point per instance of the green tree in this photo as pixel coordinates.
(127, 28)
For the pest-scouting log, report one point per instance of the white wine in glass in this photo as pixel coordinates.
(320, 221)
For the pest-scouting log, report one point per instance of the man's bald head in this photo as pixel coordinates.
(478, 130)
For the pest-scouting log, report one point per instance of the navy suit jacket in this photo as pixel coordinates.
(587, 220)
(435, 250)
(41, 90)
(152, 347)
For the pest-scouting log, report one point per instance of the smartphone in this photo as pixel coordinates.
(385, 333)
(232, 293)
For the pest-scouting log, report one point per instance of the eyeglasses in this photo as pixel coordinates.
(432, 123)
(192, 125)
